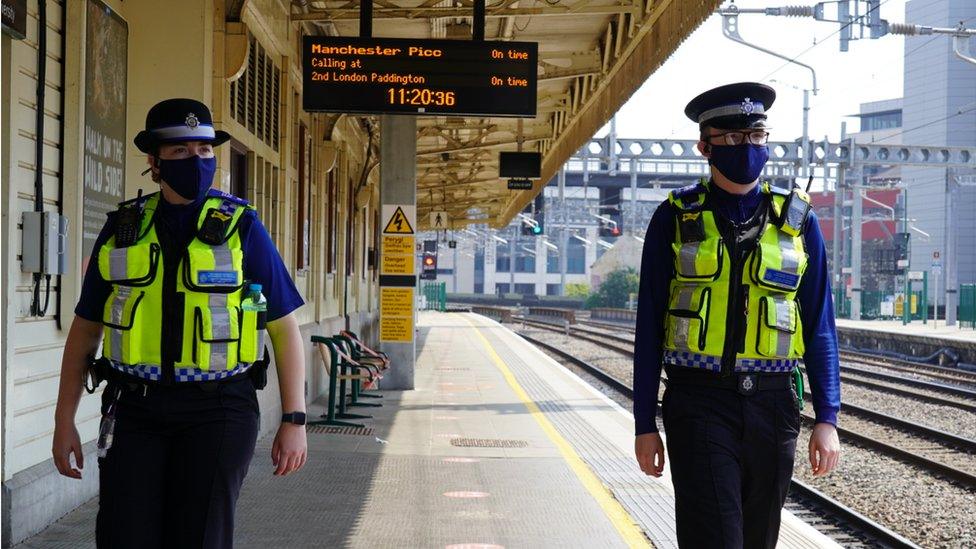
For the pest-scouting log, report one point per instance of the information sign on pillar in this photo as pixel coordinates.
(397, 272)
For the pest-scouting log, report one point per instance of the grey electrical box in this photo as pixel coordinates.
(44, 244)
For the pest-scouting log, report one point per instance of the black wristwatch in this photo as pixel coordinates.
(298, 418)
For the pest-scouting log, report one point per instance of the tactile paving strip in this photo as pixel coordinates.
(333, 430)
(489, 443)
(649, 505)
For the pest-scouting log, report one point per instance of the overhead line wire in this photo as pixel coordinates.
(844, 26)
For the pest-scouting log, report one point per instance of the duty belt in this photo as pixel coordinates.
(744, 383)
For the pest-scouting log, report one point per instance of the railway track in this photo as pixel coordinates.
(942, 454)
(843, 524)
(965, 379)
(932, 393)
(951, 375)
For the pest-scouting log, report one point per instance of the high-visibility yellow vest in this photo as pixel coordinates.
(697, 326)
(218, 337)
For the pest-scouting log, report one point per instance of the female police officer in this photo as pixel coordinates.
(169, 293)
(743, 296)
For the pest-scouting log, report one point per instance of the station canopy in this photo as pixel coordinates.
(592, 56)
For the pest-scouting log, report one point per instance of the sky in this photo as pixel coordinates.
(871, 70)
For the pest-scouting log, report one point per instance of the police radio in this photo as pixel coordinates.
(128, 223)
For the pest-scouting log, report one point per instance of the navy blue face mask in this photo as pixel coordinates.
(189, 177)
(741, 164)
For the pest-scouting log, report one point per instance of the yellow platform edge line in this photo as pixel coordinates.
(631, 533)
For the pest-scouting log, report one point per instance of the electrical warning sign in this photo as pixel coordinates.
(398, 222)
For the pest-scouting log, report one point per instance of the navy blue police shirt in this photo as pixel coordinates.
(262, 263)
(816, 309)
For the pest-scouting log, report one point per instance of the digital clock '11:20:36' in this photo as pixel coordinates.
(420, 96)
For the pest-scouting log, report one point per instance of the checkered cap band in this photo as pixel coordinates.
(185, 133)
(735, 109)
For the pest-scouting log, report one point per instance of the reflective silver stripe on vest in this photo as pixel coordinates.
(685, 294)
(219, 329)
(681, 327)
(784, 321)
(222, 258)
(118, 264)
(122, 296)
(259, 345)
(687, 256)
(789, 256)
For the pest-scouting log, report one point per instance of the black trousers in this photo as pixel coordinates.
(175, 468)
(731, 462)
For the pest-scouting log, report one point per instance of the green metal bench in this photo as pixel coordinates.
(377, 361)
(348, 360)
(338, 376)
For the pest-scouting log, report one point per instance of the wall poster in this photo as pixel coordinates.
(106, 51)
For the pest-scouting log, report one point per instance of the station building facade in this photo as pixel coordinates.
(105, 63)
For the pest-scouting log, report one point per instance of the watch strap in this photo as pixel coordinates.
(298, 418)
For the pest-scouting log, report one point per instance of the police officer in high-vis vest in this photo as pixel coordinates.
(734, 293)
(180, 289)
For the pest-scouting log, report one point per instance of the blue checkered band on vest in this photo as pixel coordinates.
(693, 360)
(141, 371)
(714, 363)
(194, 374)
(155, 373)
(770, 365)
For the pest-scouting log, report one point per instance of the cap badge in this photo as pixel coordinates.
(747, 107)
(192, 121)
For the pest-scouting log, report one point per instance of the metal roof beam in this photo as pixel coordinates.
(582, 8)
(485, 145)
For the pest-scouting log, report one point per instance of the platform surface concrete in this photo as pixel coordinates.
(931, 329)
(498, 446)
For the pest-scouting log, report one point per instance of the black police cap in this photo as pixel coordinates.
(175, 120)
(733, 106)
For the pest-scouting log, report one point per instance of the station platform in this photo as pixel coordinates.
(936, 330)
(498, 446)
(914, 339)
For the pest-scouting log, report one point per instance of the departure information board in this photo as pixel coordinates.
(419, 76)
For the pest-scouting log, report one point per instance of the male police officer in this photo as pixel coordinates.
(170, 292)
(734, 291)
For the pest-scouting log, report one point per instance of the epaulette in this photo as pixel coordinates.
(778, 190)
(689, 197)
(141, 200)
(214, 193)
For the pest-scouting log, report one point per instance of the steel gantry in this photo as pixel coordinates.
(619, 162)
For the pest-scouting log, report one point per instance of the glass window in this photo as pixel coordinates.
(576, 257)
(552, 260)
(552, 289)
(502, 259)
(501, 288)
(525, 289)
(525, 263)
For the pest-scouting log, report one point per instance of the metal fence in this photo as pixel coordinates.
(435, 294)
(967, 305)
